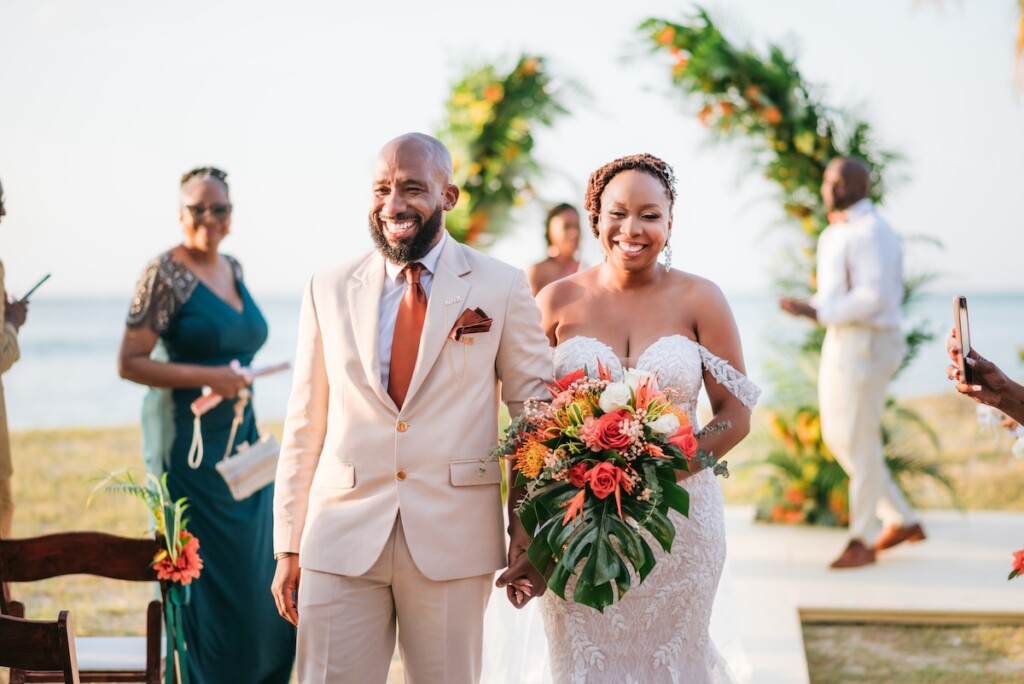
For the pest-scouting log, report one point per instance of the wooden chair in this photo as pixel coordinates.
(100, 659)
(40, 646)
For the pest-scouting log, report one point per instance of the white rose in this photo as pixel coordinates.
(635, 377)
(615, 396)
(666, 424)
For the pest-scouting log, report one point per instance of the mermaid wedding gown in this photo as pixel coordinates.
(659, 631)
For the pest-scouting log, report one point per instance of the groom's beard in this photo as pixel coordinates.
(405, 252)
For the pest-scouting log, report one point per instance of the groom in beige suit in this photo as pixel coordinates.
(387, 508)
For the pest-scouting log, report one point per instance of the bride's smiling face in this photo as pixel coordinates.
(635, 220)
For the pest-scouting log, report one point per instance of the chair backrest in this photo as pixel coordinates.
(87, 553)
(39, 645)
(72, 553)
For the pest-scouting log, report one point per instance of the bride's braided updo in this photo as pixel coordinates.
(647, 163)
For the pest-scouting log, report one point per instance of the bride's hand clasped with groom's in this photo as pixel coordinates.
(521, 580)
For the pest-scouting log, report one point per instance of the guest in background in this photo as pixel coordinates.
(12, 317)
(562, 232)
(192, 299)
(858, 300)
(990, 385)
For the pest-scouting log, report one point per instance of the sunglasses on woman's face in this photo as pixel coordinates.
(218, 211)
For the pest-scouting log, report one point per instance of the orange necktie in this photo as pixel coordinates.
(405, 345)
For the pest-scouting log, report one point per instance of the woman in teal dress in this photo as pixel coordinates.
(191, 308)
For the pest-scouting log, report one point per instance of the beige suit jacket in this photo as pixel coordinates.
(351, 461)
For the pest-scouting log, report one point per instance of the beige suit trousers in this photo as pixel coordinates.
(857, 364)
(347, 625)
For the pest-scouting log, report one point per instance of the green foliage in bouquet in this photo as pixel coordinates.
(492, 115)
(790, 134)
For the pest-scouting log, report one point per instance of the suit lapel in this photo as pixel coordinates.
(447, 300)
(364, 305)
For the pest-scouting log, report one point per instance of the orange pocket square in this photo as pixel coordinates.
(471, 321)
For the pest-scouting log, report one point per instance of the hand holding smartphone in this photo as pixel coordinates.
(962, 326)
(34, 288)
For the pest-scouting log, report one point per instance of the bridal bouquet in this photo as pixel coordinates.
(599, 463)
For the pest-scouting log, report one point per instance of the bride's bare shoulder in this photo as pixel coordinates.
(567, 291)
(691, 285)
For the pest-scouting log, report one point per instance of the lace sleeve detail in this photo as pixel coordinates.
(163, 287)
(737, 383)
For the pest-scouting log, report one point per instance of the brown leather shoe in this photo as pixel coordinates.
(855, 555)
(893, 535)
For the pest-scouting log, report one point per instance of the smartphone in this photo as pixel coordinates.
(34, 288)
(963, 333)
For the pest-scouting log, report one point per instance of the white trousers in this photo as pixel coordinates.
(347, 624)
(857, 364)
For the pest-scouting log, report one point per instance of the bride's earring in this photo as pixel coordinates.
(667, 252)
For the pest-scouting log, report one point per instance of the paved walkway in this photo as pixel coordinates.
(778, 573)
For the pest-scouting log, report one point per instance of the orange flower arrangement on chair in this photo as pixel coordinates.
(178, 563)
(186, 566)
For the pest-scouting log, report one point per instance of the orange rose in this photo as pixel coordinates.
(606, 431)
(685, 440)
(604, 479)
(772, 115)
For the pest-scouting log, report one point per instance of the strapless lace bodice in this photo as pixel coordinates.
(676, 360)
(658, 632)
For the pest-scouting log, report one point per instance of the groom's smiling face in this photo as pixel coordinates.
(411, 192)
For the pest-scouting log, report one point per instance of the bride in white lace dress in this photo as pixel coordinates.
(633, 311)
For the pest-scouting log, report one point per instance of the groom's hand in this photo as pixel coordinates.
(285, 588)
(521, 579)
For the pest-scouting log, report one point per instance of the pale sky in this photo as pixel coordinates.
(104, 104)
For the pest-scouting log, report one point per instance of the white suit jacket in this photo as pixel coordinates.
(351, 461)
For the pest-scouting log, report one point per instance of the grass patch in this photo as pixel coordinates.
(843, 653)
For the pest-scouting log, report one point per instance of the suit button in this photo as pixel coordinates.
(403, 426)
(400, 475)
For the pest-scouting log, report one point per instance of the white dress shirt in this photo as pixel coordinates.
(391, 297)
(860, 271)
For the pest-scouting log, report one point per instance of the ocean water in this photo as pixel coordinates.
(67, 376)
